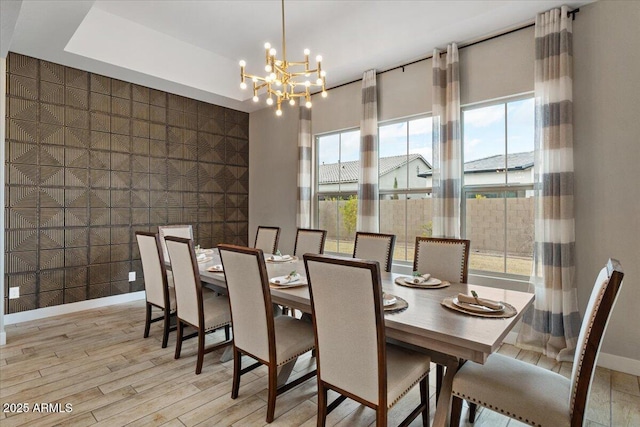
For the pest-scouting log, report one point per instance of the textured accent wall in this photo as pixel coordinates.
(91, 160)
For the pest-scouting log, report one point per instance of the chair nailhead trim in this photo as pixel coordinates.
(407, 390)
(295, 356)
(495, 408)
(211, 328)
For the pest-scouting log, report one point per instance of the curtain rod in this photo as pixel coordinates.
(571, 13)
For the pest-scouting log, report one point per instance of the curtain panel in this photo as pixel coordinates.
(552, 325)
(303, 216)
(368, 198)
(446, 168)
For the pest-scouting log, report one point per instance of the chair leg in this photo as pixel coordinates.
(439, 376)
(200, 351)
(381, 416)
(472, 412)
(456, 410)
(322, 404)
(180, 327)
(237, 367)
(424, 400)
(273, 392)
(165, 334)
(227, 333)
(147, 323)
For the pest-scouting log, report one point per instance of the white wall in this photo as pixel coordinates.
(606, 105)
(606, 101)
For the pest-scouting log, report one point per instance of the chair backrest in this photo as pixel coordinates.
(375, 247)
(250, 300)
(309, 241)
(445, 259)
(594, 324)
(186, 279)
(184, 231)
(346, 302)
(155, 274)
(267, 239)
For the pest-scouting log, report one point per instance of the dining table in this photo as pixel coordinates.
(452, 337)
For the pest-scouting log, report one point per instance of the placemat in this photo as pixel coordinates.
(400, 305)
(509, 310)
(400, 281)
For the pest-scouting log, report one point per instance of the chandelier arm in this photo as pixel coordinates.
(284, 45)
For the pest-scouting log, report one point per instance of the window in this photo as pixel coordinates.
(498, 141)
(337, 179)
(405, 182)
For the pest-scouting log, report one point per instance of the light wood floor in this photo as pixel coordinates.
(98, 362)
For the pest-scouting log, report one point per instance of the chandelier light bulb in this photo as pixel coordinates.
(319, 58)
(307, 51)
(307, 83)
(292, 102)
(278, 113)
(308, 104)
(278, 62)
(255, 98)
(319, 81)
(269, 101)
(272, 76)
(323, 73)
(243, 85)
(267, 68)
(324, 93)
(267, 45)
(243, 63)
(255, 80)
(272, 52)
(278, 83)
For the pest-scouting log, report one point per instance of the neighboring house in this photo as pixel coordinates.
(334, 177)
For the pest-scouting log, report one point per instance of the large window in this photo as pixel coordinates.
(337, 177)
(497, 187)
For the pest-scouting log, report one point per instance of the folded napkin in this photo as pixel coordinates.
(216, 268)
(420, 279)
(286, 279)
(280, 257)
(201, 256)
(480, 301)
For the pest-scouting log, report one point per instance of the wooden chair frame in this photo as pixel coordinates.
(324, 408)
(200, 328)
(275, 243)
(166, 310)
(271, 364)
(312, 230)
(392, 244)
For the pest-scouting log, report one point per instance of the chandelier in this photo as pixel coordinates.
(285, 80)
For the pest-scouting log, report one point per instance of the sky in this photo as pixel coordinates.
(483, 135)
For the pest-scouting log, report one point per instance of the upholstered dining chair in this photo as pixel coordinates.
(205, 313)
(272, 341)
(445, 259)
(157, 290)
(534, 395)
(184, 231)
(375, 247)
(267, 239)
(309, 241)
(349, 292)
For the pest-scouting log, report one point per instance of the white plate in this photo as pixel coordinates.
(205, 259)
(432, 281)
(388, 300)
(476, 308)
(293, 258)
(300, 280)
(216, 269)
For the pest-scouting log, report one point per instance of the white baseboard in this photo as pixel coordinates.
(605, 360)
(3, 338)
(73, 307)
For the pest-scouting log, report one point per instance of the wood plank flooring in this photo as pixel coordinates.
(97, 362)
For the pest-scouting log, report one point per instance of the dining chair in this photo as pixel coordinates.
(272, 341)
(356, 361)
(534, 395)
(158, 293)
(267, 239)
(205, 314)
(375, 247)
(309, 241)
(445, 259)
(184, 231)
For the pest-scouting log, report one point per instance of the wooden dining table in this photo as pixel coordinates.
(450, 336)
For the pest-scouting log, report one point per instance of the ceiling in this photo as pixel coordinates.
(192, 48)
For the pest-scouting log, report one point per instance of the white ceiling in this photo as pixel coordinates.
(193, 47)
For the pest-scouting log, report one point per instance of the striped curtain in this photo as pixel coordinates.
(552, 325)
(368, 198)
(447, 169)
(303, 217)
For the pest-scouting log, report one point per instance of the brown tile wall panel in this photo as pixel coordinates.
(91, 160)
